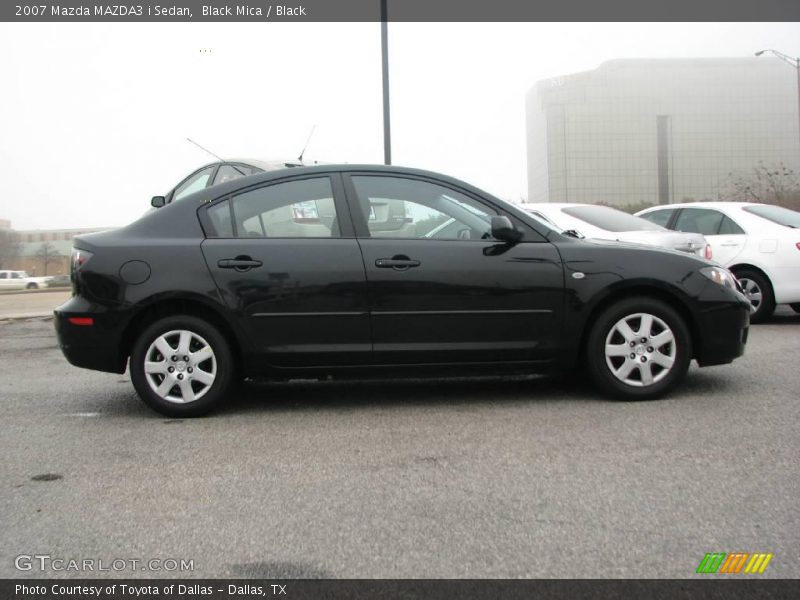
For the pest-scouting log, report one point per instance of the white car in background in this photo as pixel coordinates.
(759, 243)
(600, 222)
(20, 280)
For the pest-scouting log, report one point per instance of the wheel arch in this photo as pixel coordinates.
(160, 307)
(639, 289)
(744, 266)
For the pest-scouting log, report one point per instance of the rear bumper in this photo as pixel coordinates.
(786, 284)
(723, 331)
(96, 346)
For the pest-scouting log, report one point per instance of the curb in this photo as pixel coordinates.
(43, 290)
(25, 316)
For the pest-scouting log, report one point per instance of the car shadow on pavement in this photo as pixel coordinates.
(452, 392)
(457, 393)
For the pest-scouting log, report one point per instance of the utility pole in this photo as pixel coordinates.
(387, 133)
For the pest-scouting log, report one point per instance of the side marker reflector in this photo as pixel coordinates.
(81, 320)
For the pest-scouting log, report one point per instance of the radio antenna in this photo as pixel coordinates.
(205, 149)
(300, 158)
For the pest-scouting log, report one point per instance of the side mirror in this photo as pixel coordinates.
(157, 201)
(503, 230)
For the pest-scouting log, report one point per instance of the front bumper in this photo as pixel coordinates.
(97, 346)
(723, 333)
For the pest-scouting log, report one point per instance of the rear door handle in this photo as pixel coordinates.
(400, 263)
(240, 263)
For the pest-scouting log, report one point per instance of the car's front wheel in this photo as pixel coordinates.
(181, 366)
(795, 306)
(638, 349)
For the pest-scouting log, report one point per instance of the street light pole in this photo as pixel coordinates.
(793, 62)
(387, 134)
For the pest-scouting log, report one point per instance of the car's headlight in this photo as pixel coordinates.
(721, 276)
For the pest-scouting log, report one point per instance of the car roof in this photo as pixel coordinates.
(223, 188)
(560, 205)
(264, 164)
(709, 204)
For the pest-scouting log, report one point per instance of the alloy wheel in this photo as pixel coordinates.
(180, 366)
(640, 349)
(753, 293)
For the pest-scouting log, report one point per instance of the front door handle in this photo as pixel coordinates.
(398, 263)
(240, 263)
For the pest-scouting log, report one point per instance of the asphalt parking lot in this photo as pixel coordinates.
(522, 477)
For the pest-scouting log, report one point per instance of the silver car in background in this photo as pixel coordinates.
(600, 222)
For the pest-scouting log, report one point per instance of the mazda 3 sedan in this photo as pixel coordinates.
(348, 271)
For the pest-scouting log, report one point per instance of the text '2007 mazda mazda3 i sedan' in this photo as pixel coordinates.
(355, 270)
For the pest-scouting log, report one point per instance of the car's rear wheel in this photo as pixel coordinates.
(795, 306)
(758, 291)
(181, 366)
(32, 286)
(638, 349)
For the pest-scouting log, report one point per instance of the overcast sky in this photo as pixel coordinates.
(94, 117)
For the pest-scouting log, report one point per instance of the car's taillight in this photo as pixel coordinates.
(797, 245)
(708, 253)
(79, 258)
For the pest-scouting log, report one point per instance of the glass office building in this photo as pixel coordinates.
(659, 131)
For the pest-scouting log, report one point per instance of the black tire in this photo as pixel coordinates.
(202, 333)
(32, 286)
(754, 282)
(664, 378)
(795, 307)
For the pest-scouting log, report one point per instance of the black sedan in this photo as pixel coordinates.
(348, 271)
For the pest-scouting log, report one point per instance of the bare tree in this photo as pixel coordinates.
(9, 247)
(769, 184)
(48, 254)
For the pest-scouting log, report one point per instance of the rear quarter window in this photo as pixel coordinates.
(776, 214)
(219, 216)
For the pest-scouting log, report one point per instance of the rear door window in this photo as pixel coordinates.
(295, 209)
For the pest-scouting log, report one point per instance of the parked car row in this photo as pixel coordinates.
(607, 223)
(759, 243)
(20, 280)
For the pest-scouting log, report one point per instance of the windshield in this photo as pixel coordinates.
(776, 214)
(610, 219)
